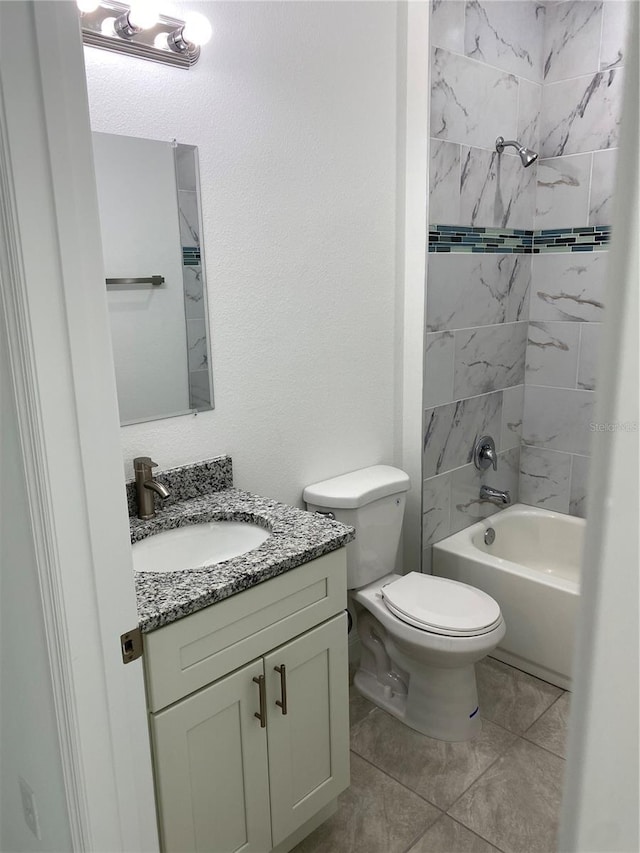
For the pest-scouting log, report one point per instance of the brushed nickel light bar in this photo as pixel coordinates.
(137, 30)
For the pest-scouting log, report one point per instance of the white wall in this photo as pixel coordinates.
(293, 108)
(138, 201)
(28, 737)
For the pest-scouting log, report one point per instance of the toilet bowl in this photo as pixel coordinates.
(427, 676)
(421, 635)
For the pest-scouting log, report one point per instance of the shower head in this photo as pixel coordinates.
(527, 156)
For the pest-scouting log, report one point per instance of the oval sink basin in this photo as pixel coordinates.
(196, 545)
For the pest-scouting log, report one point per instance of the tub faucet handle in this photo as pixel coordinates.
(484, 453)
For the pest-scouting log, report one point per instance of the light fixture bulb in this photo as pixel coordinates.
(107, 27)
(197, 29)
(142, 15)
(160, 41)
(86, 6)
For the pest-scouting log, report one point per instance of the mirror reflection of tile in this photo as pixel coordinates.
(195, 310)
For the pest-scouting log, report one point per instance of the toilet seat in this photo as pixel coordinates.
(441, 606)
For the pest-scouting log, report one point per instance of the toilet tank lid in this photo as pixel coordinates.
(358, 488)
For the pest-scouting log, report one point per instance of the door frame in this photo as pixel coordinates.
(54, 306)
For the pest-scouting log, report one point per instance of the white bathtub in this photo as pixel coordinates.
(532, 569)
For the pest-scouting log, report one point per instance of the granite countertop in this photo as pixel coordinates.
(296, 537)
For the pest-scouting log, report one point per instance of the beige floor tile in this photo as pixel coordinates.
(359, 708)
(511, 698)
(550, 730)
(515, 804)
(437, 770)
(375, 815)
(448, 836)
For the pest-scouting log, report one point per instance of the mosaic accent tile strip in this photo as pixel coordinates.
(190, 256)
(459, 238)
(587, 239)
(517, 241)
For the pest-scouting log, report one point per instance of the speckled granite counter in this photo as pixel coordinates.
(296, 537)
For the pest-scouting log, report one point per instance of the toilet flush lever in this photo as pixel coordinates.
(484, 453)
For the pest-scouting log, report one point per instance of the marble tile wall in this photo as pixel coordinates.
(583, 68)
(583, 60)
(475, 347)
(566, 310)
(487, 68)
(511, 340)
(487, 71)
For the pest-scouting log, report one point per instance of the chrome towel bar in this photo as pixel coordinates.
(153, 280)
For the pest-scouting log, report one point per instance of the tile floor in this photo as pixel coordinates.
(499, 793)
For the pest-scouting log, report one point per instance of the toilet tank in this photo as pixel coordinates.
(371, 500)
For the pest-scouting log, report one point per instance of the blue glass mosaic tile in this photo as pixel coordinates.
(462, 238)
(190, 256)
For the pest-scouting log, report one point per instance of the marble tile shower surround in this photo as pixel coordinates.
(580, 119)
(486, 82)
(566, 310)
(584, 45)
(581, 114)
(548, 74)
(566, 65)
(477, 290)
(471, 104)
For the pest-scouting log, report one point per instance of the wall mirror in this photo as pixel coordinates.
(150, 217)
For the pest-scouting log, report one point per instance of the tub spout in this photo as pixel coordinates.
(488, 493)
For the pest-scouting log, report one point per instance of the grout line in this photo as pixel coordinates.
(555, 388)
(546, 709)
(486, 769)
(423, 833)
(579, 355)
(601, 34)
(591, 165)
(477, 834)
(393, 778)
(489, 65)
(544, 748)
(583, 76)
(501, 453)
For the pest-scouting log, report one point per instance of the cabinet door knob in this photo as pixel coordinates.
(282, 702)
(262, 716)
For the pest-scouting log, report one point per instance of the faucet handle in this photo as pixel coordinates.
(484, 453)
(142, 462)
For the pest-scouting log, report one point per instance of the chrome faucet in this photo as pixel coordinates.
(497, 496)
(146, 486)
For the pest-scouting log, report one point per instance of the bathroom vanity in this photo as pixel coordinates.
(247, 679)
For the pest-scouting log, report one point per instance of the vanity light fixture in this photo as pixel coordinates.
(138, 30)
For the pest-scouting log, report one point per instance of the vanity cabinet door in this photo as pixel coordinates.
(212, 770)
(309, 745)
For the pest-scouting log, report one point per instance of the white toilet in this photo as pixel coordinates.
(420, 634)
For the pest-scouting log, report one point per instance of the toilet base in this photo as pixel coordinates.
(441, 703)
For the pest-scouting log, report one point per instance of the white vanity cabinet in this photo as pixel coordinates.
(249, 713)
